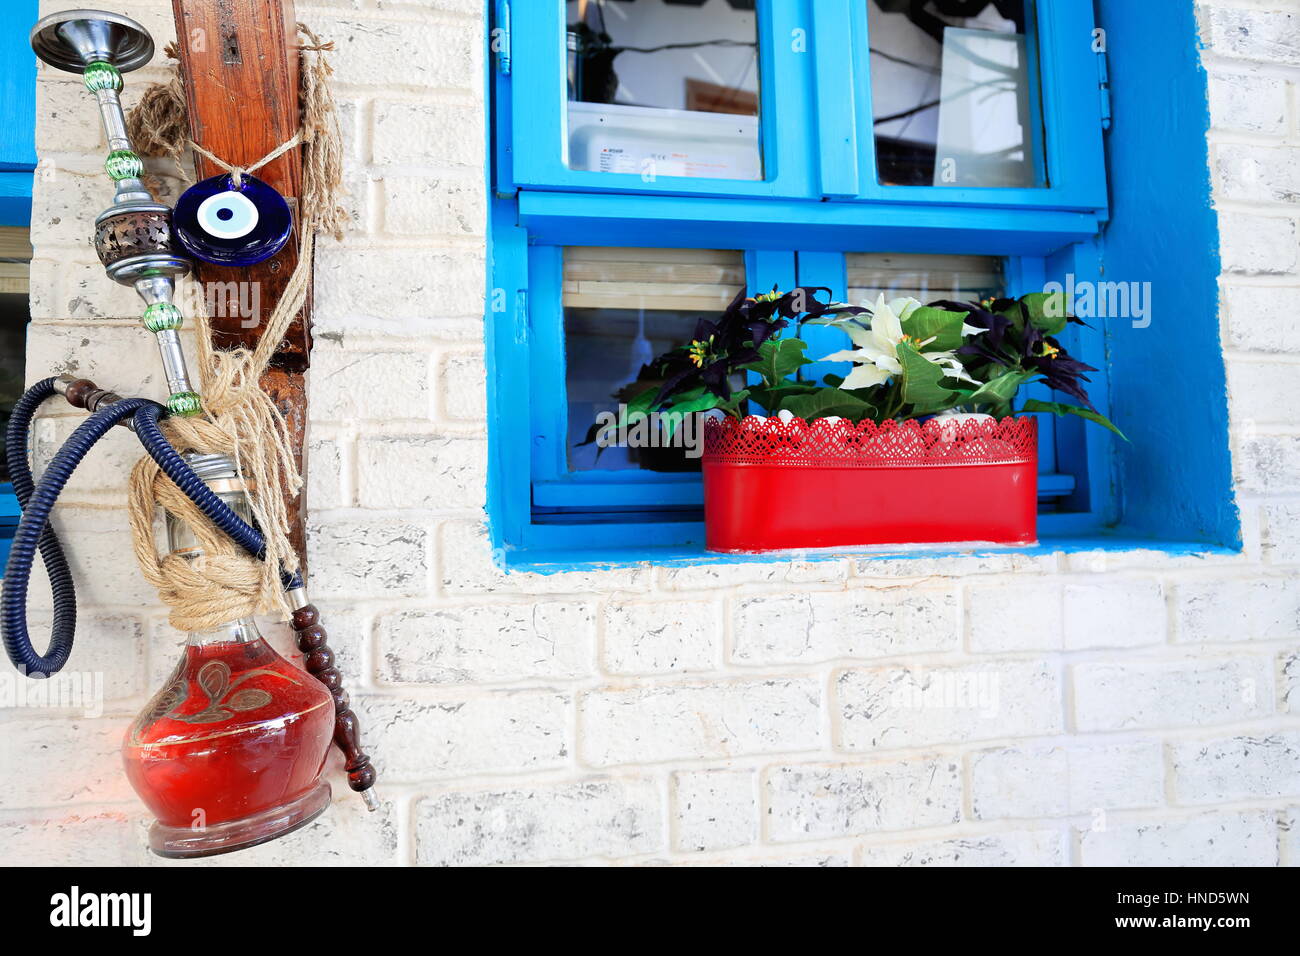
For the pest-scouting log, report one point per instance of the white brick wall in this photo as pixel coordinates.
(1007, 710)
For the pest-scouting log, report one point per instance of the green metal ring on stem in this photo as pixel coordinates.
(185, 404)
(123, 164)
(102, 76)
(161, 316)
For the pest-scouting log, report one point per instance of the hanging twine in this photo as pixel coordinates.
(239, 419)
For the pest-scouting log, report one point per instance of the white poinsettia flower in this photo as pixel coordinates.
(876, 355)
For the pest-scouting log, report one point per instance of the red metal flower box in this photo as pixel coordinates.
(771, 485)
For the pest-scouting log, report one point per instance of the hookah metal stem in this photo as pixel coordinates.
(156, 286)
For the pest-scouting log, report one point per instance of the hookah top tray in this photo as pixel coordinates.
(70, 39)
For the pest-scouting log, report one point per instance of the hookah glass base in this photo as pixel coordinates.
(184, 842)
(229, 753)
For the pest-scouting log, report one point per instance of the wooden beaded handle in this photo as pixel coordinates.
(319, 661)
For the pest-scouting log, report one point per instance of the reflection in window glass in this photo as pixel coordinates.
(926, 278)
(622, 309)
(660, 88)
(954, 90)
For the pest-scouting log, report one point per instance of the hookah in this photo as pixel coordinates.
(231, 751)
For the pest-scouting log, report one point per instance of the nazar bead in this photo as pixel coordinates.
(162, 315)
(102, 76)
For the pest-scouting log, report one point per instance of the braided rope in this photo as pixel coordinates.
(239, 420)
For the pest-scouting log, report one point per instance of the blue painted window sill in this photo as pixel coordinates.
(604, 559)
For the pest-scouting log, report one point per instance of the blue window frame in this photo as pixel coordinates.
(17, 163)
(820, 199)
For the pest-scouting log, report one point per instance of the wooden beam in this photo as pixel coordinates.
(239, 61)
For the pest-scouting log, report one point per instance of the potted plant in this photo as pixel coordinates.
(917, 444)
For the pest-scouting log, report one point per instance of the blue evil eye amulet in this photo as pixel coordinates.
(219, 222)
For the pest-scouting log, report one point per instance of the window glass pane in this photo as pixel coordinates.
(15, 256)
(622, 309)
(955, 97)
(661, 88)
(923, 277)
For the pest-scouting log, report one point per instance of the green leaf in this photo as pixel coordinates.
(825, 402)
(1060, 408)
(1047, 311)
(687, 403)
(940, 324)
(777, 359)
(638, 405)
(999, 392)
(732, 405)
(771, 398)
(921, 378)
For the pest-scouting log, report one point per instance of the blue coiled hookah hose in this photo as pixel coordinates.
(37, 501)
(134, 243)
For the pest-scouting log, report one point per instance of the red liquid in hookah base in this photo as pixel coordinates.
(237, 730)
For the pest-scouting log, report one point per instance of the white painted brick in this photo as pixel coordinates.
(709, 575)
(1129, 694)
(98, 539)
(820, 626)
(387, 53)
(607, 817)
(82, 292)
(325, 488)
(74, 836)
(1269, 36)
(822, 801)
(686, 721)
(347, 385)
(1258, 173)
(1114, 613)
(469, 567)
(886, 707)
(1046, 781)
(1290, 841)
(1280, 531)
(1250, 102)
(406, 291)
(1016, 616)
(68, 122)
(498, 733)
(105, 475)
(428, 134)
(1258, 317)
(714, 809)
(661, 637)
(435, 473)
(1262, 394)
(494, 643)
(107, 664)
(1248, 838)
(118, 357)
(800, 860)
(1236, 768)
(1238, 609)
(1270, 463)
(463, 387)
(374, 558)
(59, 201)
(1250, 243)
(349, 630)
(424, 206)
(65, 760)
(918, 564)
(1016, 848)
